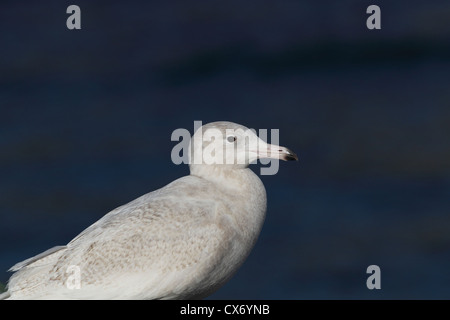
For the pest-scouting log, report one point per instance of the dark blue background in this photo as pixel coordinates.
(86, 118)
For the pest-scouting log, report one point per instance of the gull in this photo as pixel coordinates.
(182, 241)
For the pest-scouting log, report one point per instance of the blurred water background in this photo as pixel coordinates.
(86, 118)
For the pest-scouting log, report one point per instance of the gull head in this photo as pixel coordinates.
(232, 146)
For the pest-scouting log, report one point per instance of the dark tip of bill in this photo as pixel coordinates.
(290, 156)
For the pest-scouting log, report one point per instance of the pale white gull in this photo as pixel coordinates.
(183, 241)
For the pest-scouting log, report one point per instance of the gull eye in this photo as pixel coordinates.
(231, 139)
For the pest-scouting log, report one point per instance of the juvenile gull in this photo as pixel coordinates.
(183, 241)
